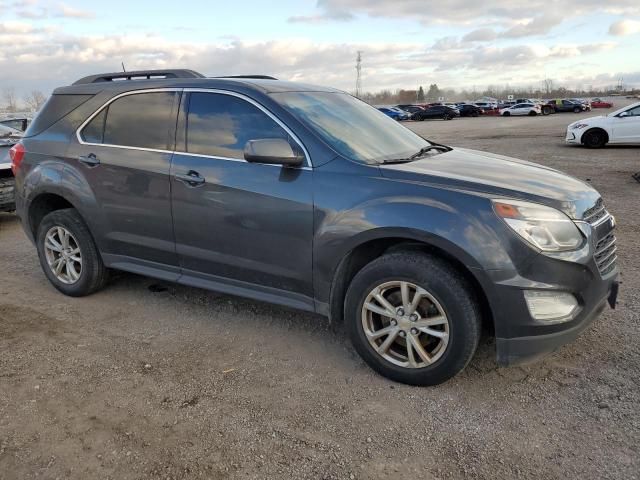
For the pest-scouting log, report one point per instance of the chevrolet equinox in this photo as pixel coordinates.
(307, 197)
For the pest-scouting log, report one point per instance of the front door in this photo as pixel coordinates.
(240, 227)
(627, 129)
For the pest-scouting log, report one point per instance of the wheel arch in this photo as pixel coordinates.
(365, 252)
(44, 203)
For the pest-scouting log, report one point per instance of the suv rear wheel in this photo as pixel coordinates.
(68, 254)
(412, 318)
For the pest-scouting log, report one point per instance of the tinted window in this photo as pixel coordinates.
(94, 130)
(142, 120)
(57, 107)
(221, 125)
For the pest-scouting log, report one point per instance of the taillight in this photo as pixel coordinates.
(16, 153)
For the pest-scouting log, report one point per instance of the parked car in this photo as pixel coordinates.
(621, 126)
(394, 113)
(521, 109)
(486, 105)
(414, 111)
(566, 106)
(310, 198)
(467, 110)
(18, 123)
(599, 103)
(437, 112)
(8, 138)
(586, 103)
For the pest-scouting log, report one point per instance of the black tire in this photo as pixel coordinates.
(93, 274)
(474, 114)
(577, 110)
(532, 113)
(446, 285)
(594, 138)
(506, 114)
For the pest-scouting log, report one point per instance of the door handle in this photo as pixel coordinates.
(90, 160)
(192, 178)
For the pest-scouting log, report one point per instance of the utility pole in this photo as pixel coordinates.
(359, 74)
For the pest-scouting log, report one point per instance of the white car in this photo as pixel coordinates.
(521, 109)
(621, 126)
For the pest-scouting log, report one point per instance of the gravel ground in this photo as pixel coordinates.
(152, 380)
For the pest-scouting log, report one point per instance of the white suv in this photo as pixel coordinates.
(621, 126)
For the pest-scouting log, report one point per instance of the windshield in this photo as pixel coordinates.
(353, 128)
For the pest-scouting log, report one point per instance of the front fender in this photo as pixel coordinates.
(461, 224)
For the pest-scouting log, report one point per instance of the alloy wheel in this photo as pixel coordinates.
(63, 255)
(405, 324)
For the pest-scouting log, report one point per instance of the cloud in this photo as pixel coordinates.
(66, 11)
(480, 35)
(536, 26)
(625, 27)
(465, 12)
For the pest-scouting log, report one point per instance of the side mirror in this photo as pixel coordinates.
(273, 151)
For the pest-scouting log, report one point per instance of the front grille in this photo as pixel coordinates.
(595, 213)
(605, 252)
(605, 255)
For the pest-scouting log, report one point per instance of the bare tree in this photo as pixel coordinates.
(548, 85)
(9, 99)
(35, 100)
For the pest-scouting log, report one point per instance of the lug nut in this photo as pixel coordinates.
(394, 323)
(414, 331)
(414, 317)
(401, 311)
(402, 333)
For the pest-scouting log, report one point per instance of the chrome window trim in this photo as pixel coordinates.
(308, 163)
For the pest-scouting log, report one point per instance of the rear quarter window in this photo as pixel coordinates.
(55, 108)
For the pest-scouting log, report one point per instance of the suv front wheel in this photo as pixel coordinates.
(412, 318)
(68, 254)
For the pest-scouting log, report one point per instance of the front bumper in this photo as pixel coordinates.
(573, 136)
(528, 349)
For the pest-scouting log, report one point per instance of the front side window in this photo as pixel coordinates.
(143, 120)
(220, 125)
(634, 112)
(351, 127)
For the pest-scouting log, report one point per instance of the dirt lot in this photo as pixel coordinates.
(147, 380)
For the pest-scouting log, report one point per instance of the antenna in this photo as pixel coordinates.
(123, 69)
(359, 74)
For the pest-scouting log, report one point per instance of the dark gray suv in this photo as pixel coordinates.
(307, 197)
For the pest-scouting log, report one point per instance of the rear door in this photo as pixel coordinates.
(124, 151)
(240, 227)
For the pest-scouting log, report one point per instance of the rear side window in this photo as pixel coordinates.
(143, 120)
(220, 125)
(57, 107)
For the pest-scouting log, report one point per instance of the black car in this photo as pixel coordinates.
(308, 197)
(437, 112)
(566, 106)
(414, 110)
(467, 110)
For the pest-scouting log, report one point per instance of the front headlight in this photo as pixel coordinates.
(579, 126)
(544, 227)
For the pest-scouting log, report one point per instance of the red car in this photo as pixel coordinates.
(597, 103)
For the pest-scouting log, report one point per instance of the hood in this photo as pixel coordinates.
(499, 176)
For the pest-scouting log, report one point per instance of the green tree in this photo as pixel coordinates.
(420, 95)
(434, 92)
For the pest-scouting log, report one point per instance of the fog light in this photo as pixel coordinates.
(551, 306)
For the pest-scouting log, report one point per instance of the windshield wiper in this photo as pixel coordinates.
(418, 154)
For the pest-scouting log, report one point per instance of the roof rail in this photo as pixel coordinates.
(138, 75)
(257, 77)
